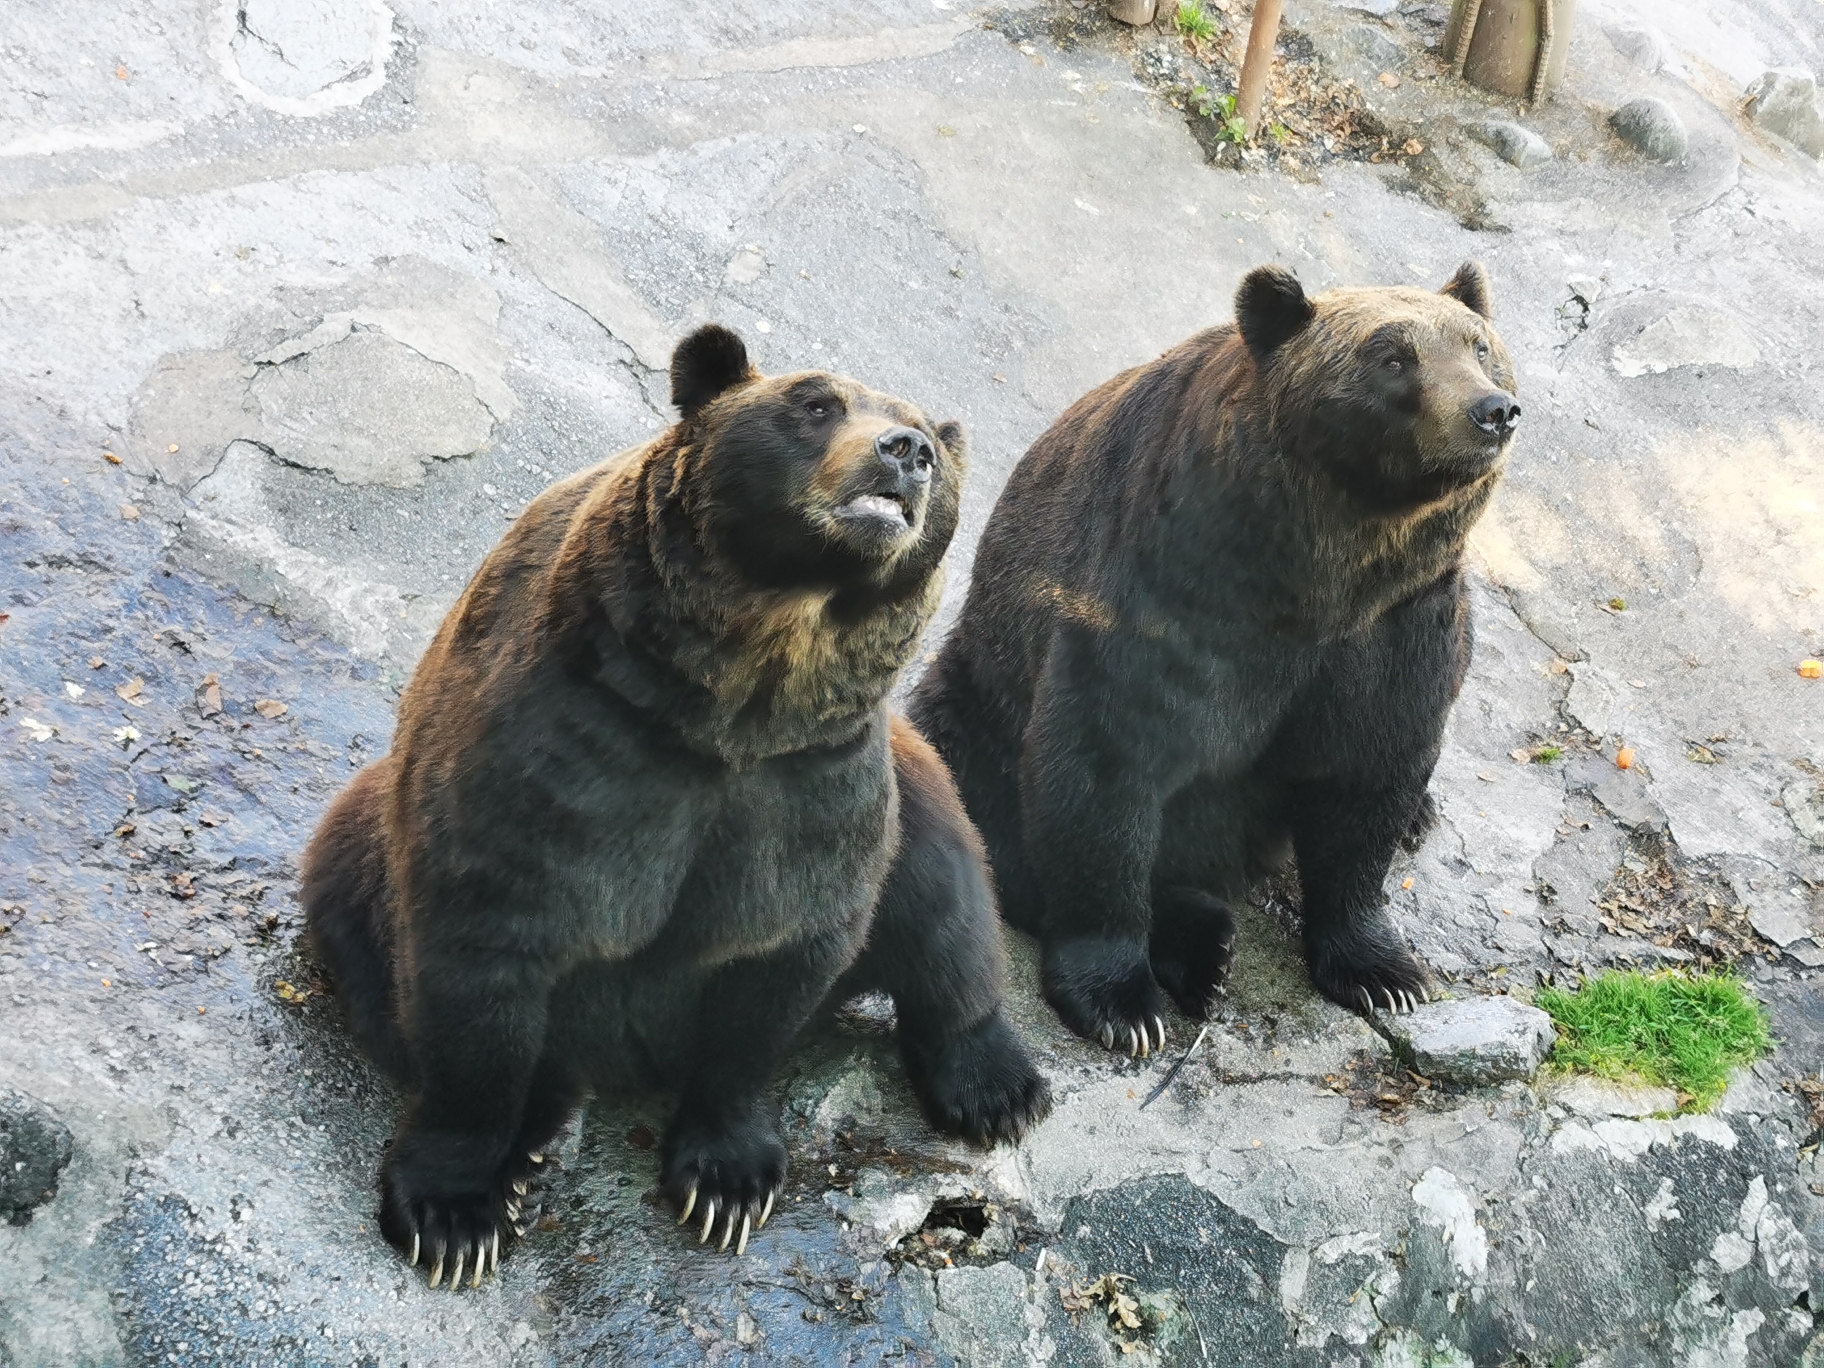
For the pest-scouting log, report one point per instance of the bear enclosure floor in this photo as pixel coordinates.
(305, 303)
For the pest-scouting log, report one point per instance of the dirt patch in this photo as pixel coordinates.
(1679, 906)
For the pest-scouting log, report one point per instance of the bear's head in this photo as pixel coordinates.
(1399, 396)
(811, 480)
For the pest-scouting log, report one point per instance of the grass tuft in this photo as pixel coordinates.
(1685, 1031)
(1194, 21)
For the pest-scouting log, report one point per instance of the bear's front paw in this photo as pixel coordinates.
(980, 1084)
(451, 1226)
(1364, 967)
(1104, 990)
(722, 1173)
(1192, 948)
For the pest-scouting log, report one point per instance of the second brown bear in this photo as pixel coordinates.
(1218, 609)
(646, 810)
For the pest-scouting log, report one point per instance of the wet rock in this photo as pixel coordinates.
(35, 1149)
(1691, 335)
(1652, 128)
(983, 1315)
(1512, 143)
(1784, 101)
(1472, 1040)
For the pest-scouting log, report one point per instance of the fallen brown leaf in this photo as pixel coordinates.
(209, 696)
(1413, 147)
(112, 458)
(96, 662)
(130, 692)
(130, 512)
(1388, 79)
(269, 707)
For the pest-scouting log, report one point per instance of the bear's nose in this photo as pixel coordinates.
(908, 451)
(1496, 413)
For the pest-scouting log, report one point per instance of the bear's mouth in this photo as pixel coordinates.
(883, 508)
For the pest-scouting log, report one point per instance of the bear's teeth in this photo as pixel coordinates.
(879, 506)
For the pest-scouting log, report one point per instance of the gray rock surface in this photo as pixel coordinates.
(1652, 128)
(1373, 48)
(1512, 142)
(35, 1149)
(1472, 1041)
(516, 209)
(1785, 102)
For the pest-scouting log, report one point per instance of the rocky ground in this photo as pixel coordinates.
(298, 306)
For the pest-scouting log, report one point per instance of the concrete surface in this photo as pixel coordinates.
(343, 284)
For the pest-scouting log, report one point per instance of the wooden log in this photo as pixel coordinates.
(1262, 34)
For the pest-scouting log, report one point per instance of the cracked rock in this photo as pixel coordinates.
(1473, 1040)
(1652, 128)
(1690, 335)
(35, 1149)
(1512, 143)
(297, 50)
(1784, 101)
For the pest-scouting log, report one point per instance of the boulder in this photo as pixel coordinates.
(1651, 127)
(1785, 102)
(1512, 142)
(1472, 1040)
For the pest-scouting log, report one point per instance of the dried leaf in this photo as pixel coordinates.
(1388, 79)
(1624, 758)
(269, 707)
(1413, 147)
(130, 512)
(209, 696)
(130, 692)
(112, 458)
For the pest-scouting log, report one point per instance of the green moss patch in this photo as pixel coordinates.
(1685, 1031)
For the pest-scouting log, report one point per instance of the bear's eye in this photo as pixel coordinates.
(818, 408)
(1481, 351)
(1394, 365)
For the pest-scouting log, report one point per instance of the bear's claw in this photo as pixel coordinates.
(724, 1180)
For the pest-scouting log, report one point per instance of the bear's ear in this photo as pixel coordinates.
(707, 363)
(955, 440)
(1469, 286)
(1270, 309)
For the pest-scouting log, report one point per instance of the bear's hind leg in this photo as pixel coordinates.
(348, 911)
(936, 948)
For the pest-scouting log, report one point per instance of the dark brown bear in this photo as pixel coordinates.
(1219, 608)
(645, 810)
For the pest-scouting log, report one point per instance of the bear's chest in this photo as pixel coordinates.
(706, 862)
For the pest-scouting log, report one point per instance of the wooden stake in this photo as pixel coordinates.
(1254, 67)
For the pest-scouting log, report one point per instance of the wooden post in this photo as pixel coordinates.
(1254, 67)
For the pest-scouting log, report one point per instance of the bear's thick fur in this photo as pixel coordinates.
(646, 810)
(1217, 609)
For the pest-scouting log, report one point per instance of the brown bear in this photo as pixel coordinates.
(1218, 610)
(646, 810)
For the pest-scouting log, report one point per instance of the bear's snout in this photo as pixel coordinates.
(1496, 413)
(907, 452)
